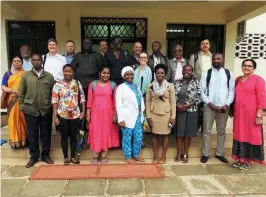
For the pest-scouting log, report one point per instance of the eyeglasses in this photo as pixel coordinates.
(248, 66)
(142, 57)
(179, 50)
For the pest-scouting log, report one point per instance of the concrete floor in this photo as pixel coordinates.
(213, 179)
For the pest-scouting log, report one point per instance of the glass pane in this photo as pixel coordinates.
(15, 46)
(97, 31)
(122, 31)
(41, 46)
(195, 31)
(20, 27)
(190, 48)
(175, 31)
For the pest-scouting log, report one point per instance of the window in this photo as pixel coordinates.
(129, 29)
(241, 31)
(190, 35)
(33, 33)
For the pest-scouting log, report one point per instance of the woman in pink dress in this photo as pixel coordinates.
(101, 116)
(248, 143)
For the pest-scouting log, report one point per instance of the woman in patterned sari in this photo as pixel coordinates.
(16, 121)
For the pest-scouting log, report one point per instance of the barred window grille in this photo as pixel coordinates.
(129, 29)
(241, 31)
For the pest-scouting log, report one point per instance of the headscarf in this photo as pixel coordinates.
(125, 70)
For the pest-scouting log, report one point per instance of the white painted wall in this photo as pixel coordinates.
(256, 25)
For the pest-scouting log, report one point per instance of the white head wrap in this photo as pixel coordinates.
(126, 69)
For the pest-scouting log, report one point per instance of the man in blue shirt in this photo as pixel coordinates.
(70, 48)
(218, 90)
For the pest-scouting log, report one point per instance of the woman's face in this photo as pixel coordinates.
(160, 74)
(105, 74)
(187, 72)
(68, 73)
(17, 63)
(52, 47)
(129, 76)
(248, 68)
(143, 59)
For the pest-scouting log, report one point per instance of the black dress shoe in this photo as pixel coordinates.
(48, 160)
(74, 161)
(222, 158)
(204, 159)
(31, 163)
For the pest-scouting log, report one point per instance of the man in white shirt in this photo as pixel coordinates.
(54, 62)
(218, 90)
(177, 64)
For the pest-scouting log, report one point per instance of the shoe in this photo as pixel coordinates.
(74, 161)
(185, 159)
(48, 160)
(236, 165)
(244, 166)
(221, 158)
(204, 159)
(66, 161)
(31, 163)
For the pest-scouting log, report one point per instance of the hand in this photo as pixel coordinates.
(81, 116)
(214, 107)
(122, 124)
(258, 121)
(150, 122)
(56, 121)
(172, 121)
(14, 95)
(114, 118)
(180, 107)
(224, 108)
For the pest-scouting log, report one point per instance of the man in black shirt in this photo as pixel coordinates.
(134, 59)
(116, 59)
(86, 65)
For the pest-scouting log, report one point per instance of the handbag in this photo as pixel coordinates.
(4, 100)
(146, 126)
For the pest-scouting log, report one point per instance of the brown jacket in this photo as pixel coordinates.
(157, 106)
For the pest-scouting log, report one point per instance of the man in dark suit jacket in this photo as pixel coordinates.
(116, 59)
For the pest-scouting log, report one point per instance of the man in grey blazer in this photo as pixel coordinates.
(202, 60)
(177, 64)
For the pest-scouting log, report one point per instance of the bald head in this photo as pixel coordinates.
(178, 52)
(218, 60)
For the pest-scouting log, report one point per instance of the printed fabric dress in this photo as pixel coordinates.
(248, 143)
(103, 133)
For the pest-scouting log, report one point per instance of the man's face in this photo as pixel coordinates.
(118, 43)
(25, 52)
(178, 52)
(87, 44)
(137, 48)
(205, 45)
(104, 46)
(217, 61)
(36, 62)
(70, 47)
(156, 47)
(52, 46)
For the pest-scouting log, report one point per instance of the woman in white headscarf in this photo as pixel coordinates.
(130, 107)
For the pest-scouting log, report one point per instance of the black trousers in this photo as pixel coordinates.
(69, 128)
(39, 126)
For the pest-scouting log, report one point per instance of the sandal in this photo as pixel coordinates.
(74, 161)
(236, 165)
(104, 160)
(130, 161)
(244, 166)
(94, 160)
(139, 159)
(177, 158)
(185, 159)
(162, 161)
(66, 161)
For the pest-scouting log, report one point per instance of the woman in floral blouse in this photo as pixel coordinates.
(67, 97)
(188, 98)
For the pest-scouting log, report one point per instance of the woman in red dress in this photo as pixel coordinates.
(248, 143)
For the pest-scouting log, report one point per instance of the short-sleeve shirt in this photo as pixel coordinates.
(66, 96)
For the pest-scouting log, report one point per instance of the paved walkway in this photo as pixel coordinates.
(193, 179)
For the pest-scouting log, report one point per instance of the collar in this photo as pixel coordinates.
(222, 68)
(202, 54)
(182, 60)
(27, 60)
(56, 55)
(69, 55)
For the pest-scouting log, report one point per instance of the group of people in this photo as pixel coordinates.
(117, 94)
